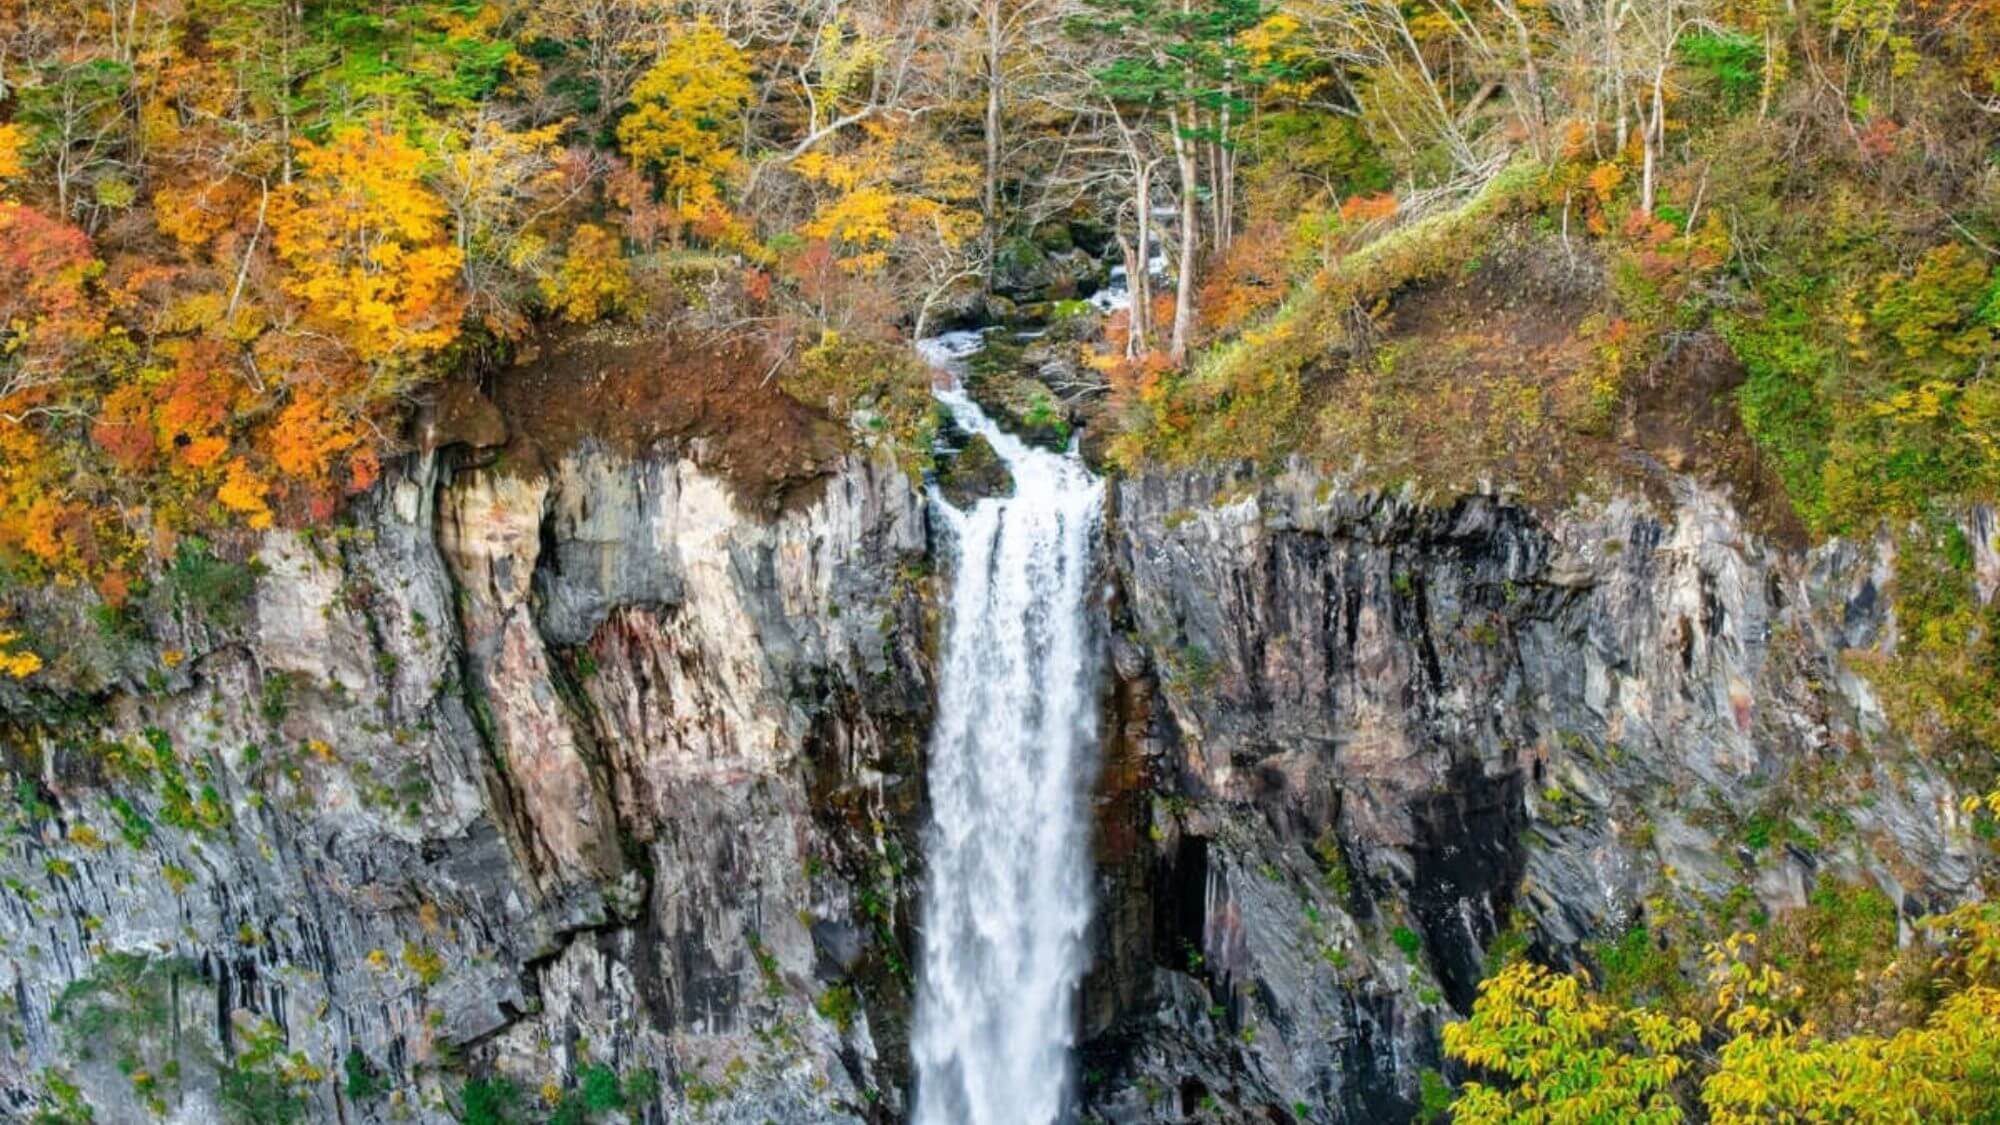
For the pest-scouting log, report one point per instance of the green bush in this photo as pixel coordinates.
(489, 1101)
(1732, 62)
(251, 1096)
(122, 1006)
(838, 1004)
(1780, 399)
(363, 1084)
(216, 590)
(1639, 967)
(263, 1085)
(62, 1102)
(642, 1088)
(600, 1088)
(1434, 1096)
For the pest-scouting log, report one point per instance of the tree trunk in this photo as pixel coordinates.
(294, 23)
(1654, 138)
(1770, 79)
(1184, 157)
(1225, 187)
(1530, 107)
(1615, 67)
(1139, 274)
(990, 198)
(1134, 321)
(1216, 238)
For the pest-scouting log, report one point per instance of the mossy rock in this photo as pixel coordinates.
(1029, 273)
(1024, 407)
(973, 473)
(1054, 237)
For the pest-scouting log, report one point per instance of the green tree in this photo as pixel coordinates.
(1184, 62)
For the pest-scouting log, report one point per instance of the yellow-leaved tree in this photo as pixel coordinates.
(895, 210)
(243, 492)
(1565, 1053)
(685, 112)
(367, 252)
(17, 661)
(502, 187)
(1548, 1049)
(1776, 1068)
(890, 187)
(376, 287)
(593, 281)
(13, 150)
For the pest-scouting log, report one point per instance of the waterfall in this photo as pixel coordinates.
(1007, 862)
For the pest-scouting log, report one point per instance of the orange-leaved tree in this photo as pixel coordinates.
(48, 316)
(374, 276)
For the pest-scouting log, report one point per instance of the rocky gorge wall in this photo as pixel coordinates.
(602, 781)
(1365, 736)
(588, 773)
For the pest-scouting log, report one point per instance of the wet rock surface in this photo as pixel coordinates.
(1024, 407)
(1049, 265)
(971, 471)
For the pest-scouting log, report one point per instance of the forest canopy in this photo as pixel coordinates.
(241, 235)
(240, 238)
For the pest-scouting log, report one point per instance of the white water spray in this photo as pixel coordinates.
(1007, 893)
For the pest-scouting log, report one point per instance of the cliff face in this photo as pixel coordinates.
(595, 779)
(1379, 734)
(517, 775)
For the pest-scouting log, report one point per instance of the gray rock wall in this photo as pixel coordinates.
(515, 776)
(1376, 734)
(584, 777)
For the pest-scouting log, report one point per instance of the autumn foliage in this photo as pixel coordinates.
(684, 108)
(237, 240)
(221, 393)
(593, 281)
(365, 240)
(1546, 1046)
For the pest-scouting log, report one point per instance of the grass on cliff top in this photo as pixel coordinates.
(1245, 396)
(1482, 342)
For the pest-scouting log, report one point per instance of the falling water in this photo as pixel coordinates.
(1007, 896)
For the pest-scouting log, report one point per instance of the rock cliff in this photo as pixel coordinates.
(1366, 737)
(598, 786)
(587, 773)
